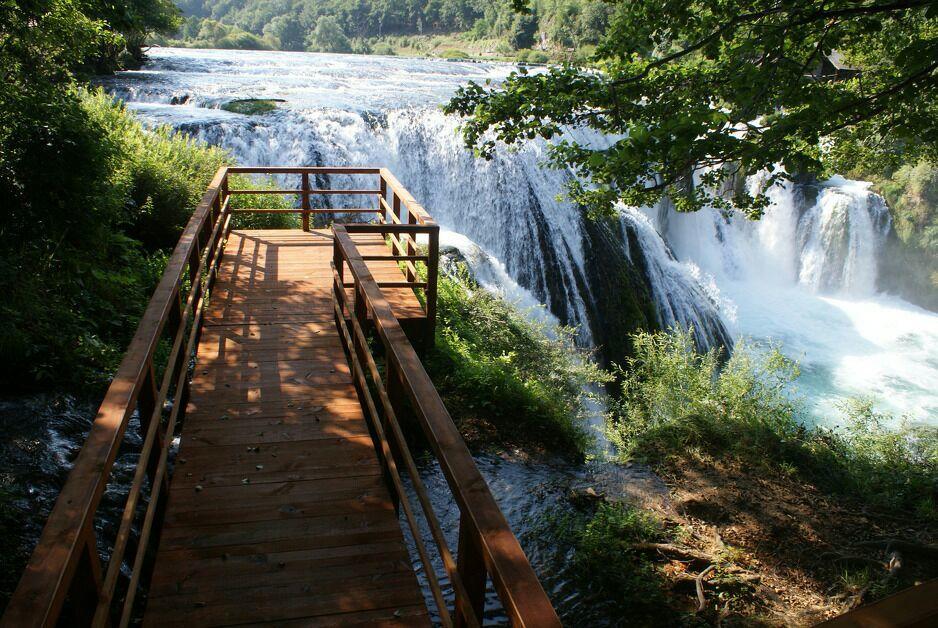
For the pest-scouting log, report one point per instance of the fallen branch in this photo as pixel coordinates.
(667, 548)
(701, 600)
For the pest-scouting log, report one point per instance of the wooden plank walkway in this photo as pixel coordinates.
(277, 511)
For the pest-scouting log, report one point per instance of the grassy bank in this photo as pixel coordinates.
(506, 380)
(782, 524)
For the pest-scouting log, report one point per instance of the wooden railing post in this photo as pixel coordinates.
(146, 409)
(86, 583)
(223, 195)
(433, 271)
(305, 201)
(383, 186)
(471, 567)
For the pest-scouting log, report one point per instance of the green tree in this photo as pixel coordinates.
(726, 89)
(288, 31)
(328, 36)
(521, 34)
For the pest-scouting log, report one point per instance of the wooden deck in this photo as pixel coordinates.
(277, 511)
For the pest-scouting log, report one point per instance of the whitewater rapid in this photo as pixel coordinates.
(804, 276)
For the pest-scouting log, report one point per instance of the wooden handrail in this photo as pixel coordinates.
(65, 568)
(65, 561)
(914, 607)
(486, 540)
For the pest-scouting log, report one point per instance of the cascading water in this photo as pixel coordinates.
(805, 275)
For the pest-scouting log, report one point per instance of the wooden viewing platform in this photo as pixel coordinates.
(291, 359)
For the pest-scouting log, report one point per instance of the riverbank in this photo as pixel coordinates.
(769, 521)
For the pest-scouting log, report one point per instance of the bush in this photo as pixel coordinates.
(506, 376)
(526, 55)
(383, 48)
(675, 400)
(267, 201)
(84, 241)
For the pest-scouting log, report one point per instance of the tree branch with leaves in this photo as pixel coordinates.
(694, 94)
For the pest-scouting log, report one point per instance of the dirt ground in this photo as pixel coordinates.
(783, 552)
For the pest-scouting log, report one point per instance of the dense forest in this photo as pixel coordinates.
(394, 26)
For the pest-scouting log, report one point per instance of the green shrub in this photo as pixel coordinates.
(383, 48)
(93, 210)
(494, 366)
(675, 400)
(454, 53)
(267, 201)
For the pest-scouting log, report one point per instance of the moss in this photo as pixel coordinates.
(622, 304)
(251, 106)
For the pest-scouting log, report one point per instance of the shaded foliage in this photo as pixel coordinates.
(86, 240)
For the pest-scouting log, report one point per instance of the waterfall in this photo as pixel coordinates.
(804, 275)
(841, 237)
(508, 206)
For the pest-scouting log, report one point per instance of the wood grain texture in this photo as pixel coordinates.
(277, 510)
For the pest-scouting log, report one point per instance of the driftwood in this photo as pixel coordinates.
(701, 600)
(685, 553)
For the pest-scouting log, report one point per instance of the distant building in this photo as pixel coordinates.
(833, 68)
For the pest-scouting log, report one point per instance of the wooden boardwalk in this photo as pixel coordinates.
(277, 510)
(284, 379)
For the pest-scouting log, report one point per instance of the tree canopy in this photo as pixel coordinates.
(288, 25)
(724, 88)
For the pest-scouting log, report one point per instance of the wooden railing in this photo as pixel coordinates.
(65, 580)
(487, 546)
(393, 203)
(65, 570)
(915, 607)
